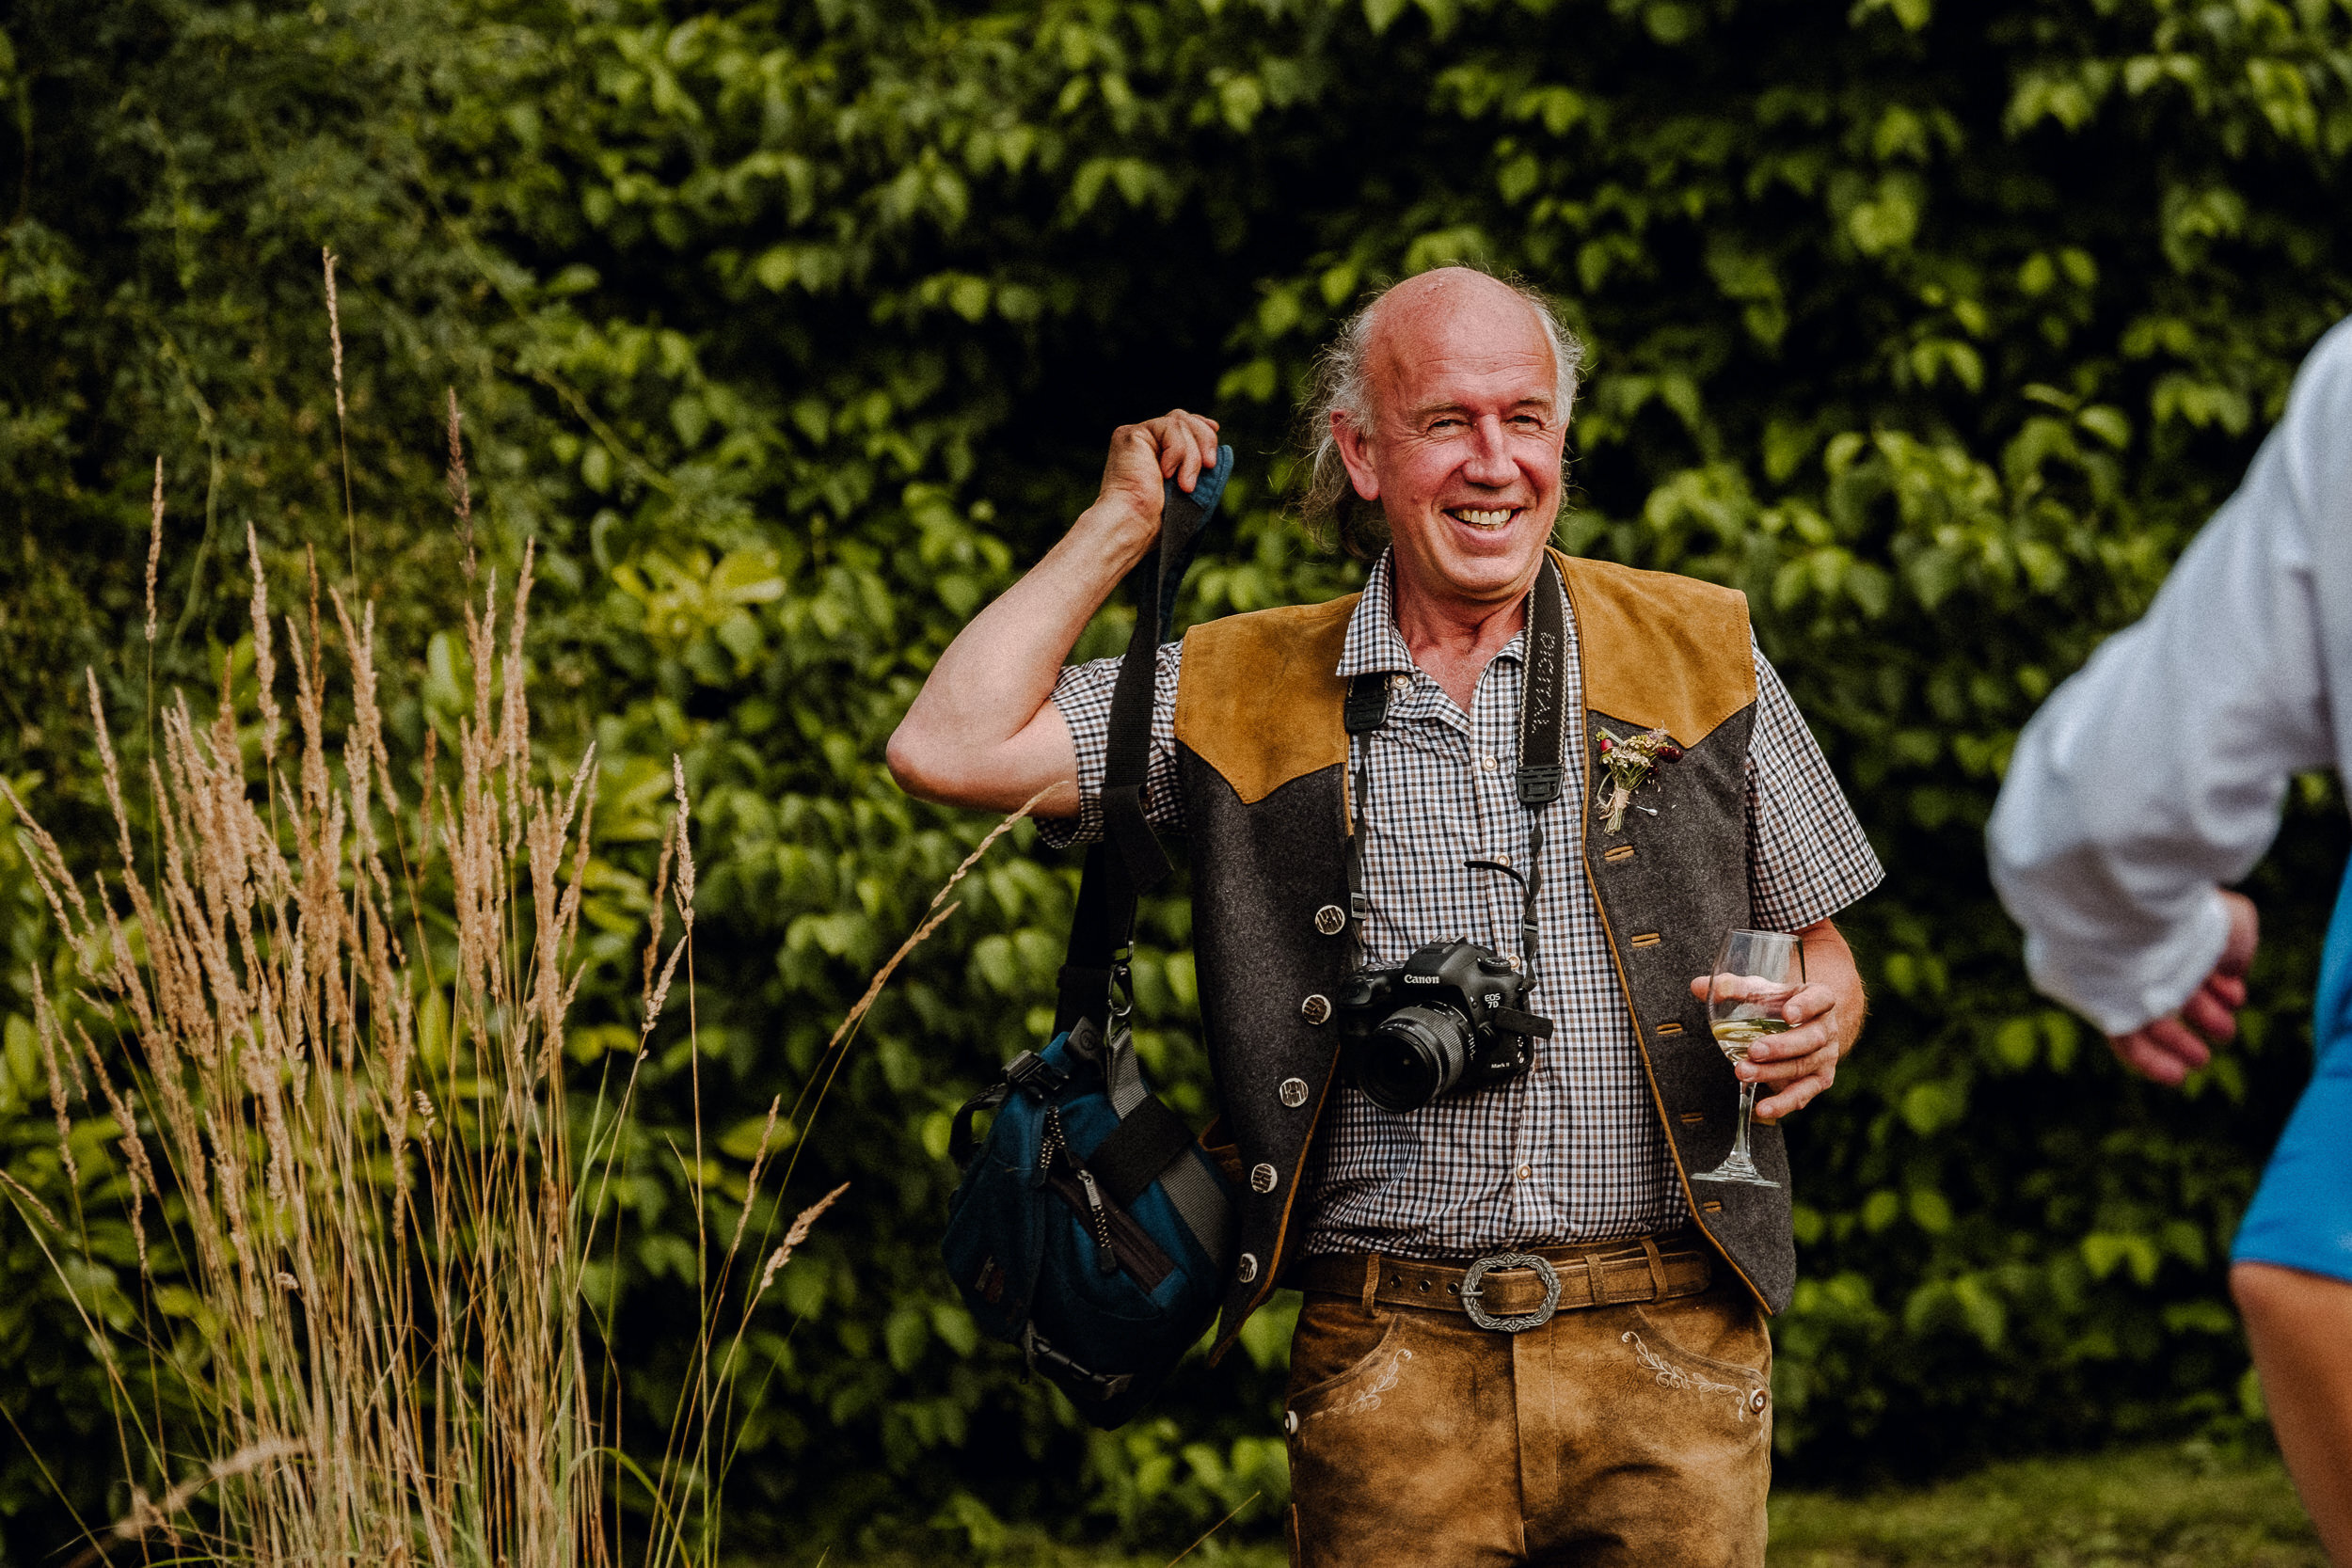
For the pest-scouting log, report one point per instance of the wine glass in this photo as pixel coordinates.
(1755, 974)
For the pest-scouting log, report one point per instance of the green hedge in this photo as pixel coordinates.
(792, 328)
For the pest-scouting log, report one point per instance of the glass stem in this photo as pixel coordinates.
(1739, 1145)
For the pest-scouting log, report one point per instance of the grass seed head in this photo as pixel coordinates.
(154, 546)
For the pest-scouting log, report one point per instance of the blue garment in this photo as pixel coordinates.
(2301, 1217)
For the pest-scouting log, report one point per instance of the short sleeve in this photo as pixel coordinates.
(1807, 855)
(1083, 694)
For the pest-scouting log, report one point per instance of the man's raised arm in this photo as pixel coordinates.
(983, 732)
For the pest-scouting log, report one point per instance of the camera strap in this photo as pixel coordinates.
(1541, 775)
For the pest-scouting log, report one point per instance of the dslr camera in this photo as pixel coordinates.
(1447, 1019)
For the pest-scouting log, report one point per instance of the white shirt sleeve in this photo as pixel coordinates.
(2157, 773)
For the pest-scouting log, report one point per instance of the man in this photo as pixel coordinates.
(2157, 775)
(1619, 1410)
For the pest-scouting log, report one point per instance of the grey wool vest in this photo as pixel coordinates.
(1261, 755)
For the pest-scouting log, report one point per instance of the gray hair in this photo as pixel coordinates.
(1340, 383)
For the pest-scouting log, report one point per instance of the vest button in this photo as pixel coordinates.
(1757, 1400)
(1262, 1179)
(1247, 1270)
(1290, 1420)
(1316, 1009)
(1293, 1092)
(1331, 920)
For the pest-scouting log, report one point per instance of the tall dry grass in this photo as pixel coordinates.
(362, 1218)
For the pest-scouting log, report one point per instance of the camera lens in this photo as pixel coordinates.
(1416, 1054)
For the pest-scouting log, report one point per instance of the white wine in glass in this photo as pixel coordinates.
(1737, 1035)
(1755, 974)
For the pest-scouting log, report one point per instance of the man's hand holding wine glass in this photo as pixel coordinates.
(1823, 1017)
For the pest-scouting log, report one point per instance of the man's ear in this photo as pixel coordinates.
(1356, 453)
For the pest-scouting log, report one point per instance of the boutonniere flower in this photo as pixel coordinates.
(1630, 764)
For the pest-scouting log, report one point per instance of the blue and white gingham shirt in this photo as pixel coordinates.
(1572, 1152)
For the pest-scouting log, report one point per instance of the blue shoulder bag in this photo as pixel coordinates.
(1090, 1229)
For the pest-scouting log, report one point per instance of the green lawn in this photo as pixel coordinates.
(2148, 1507)
(2142, 1508)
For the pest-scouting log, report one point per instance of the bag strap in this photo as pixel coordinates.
(1151, 1142)
(1130, 861)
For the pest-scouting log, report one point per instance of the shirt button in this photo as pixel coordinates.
(1500, 858)
(1524, 1172)
(1400, 682)
(1489, 761)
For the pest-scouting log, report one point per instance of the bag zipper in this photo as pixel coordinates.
(1106, 1256)
(1119, 1243)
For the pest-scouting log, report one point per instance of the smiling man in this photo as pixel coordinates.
(1534, 1330)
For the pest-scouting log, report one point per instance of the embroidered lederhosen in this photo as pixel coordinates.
(1261, 753)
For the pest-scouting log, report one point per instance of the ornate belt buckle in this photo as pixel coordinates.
(1525, 1321)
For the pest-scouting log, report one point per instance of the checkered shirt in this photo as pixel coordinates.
(1571, 1152)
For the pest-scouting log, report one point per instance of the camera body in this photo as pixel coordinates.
(1446, 1020)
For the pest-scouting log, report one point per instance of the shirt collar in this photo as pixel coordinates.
(1375, 645)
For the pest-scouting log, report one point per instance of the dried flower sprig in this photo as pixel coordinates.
(1630, 764)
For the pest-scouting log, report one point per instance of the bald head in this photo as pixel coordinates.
(1400, 351)
(1443, 317)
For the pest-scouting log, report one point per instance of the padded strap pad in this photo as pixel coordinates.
(1146, 1142)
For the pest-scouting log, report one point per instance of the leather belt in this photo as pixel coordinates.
(1510, 1290)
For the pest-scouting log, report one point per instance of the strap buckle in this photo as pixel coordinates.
(1540, 785)
(1034, 1076)
(1521, 1323)
(1067, 1374)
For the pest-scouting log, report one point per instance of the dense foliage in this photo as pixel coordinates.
(792, 328)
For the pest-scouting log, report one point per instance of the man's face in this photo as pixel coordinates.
(1462, 442)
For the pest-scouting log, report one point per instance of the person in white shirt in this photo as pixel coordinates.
(2151, 779)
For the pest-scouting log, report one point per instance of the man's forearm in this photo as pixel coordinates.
(983, 731)
(1829, 961)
